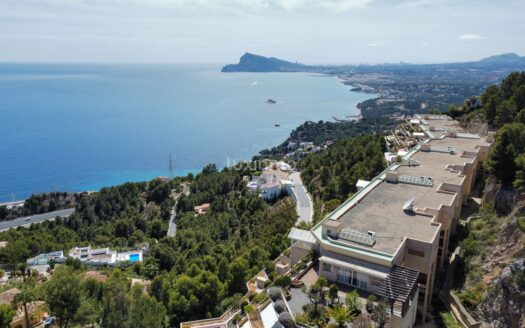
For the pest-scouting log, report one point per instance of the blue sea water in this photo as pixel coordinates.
(82, 127)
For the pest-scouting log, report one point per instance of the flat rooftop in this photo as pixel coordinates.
(379, 207)
(434, 165)
(381, 211)
(460, 144)
(439, 122)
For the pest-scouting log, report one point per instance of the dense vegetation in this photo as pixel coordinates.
(38, 204)
(331, 175)
(503, 108)
(322, 131)
(196, 273)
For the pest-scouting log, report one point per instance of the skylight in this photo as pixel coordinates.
(420, 181)
(357, 237)
(442, 149)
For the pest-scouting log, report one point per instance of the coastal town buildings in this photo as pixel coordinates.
(392, 236)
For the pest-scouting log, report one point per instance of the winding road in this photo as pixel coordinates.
(304, 203)
(172, 227)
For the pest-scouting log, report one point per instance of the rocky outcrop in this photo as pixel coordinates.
(503, 272)
(504, 198)
(504, 304)
(255, 63)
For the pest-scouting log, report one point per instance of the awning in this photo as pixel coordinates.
(354, 265)
(302, 235)
(362, 183)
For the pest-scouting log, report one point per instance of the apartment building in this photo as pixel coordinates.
(392, 236)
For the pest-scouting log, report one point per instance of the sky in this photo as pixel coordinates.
(220, 31)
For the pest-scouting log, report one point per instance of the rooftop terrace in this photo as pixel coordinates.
(381, 212)
(380, 209)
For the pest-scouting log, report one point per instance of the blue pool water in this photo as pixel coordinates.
(82, 127)
(134, 258)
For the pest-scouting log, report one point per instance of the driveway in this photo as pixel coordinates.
(304, 203)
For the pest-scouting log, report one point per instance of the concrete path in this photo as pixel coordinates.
(172, 227)
(28, 220)
(303, 200)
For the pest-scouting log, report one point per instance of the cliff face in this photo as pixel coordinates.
(255, 63)
(503, 304)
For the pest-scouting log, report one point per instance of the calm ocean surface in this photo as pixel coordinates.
(82, 127)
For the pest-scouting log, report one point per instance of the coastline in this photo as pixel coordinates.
(119, 177)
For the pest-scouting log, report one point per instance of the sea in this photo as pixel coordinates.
(80, 127)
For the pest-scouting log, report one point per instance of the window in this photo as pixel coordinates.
(416, 252)
(353, 278)
(327, 267)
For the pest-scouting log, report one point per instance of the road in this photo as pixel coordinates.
(28, 220)
(304, 203)
(172, 227)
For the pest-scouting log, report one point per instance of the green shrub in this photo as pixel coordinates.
(283, 281)
(251, 295)
(274, 293)
(248, 308)
(279, 306)
(286, 320)
(237, 317)
(260, 298)
(519, 278)
(472, 297)
(521, 223)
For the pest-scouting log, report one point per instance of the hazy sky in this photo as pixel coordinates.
(219, 31)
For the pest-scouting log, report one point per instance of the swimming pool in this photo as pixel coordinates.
(134, 257)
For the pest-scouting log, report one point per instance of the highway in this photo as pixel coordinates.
(304, 203)
(28, 220)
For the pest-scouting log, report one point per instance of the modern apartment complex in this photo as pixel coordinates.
(392, 236)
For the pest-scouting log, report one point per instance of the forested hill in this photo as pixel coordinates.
(198, 273)
(491, 281)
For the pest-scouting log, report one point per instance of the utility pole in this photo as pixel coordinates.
(170, 168)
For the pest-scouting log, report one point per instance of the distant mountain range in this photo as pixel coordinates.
(256, 63)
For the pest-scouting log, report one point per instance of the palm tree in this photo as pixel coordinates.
(26, 296)
(340, 315)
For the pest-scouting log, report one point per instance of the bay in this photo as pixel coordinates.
(72, 127)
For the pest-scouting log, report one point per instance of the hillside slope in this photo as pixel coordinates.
(491, 284)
